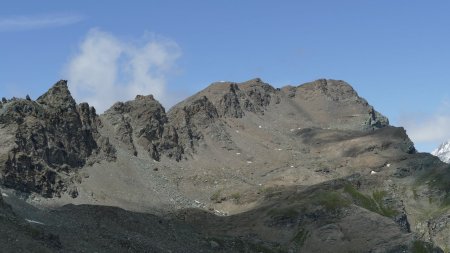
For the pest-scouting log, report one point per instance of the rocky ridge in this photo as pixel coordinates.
(238, 166)
(143, 122)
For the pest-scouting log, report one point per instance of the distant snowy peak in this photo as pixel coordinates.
(443, 152)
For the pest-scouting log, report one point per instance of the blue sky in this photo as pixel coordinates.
(394, 53)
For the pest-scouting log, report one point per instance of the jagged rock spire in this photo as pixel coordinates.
(58, 96)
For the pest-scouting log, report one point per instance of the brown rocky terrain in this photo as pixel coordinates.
(237, 167)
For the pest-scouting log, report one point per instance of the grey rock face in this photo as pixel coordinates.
(189, 120)
(258, 95)
(233, 100)
(51, 135)
(143, 122)
(402, 221)
(229, 104)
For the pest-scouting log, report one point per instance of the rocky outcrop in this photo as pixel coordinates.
(234, 99)
(229, 104)
(191, 119)
(142, 123)
(50, 138)
(258, 95)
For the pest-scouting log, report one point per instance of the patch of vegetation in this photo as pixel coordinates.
(266, 190)
(387, 211)
(301, 236)
(372, 203)
(437, 178)
(270, 192)
(331, 200)
(445, 200)
(236, 197)
(446, 249)
(421, 247)
(253, 247)
(378, 196)
(216, 197)
(361, 199)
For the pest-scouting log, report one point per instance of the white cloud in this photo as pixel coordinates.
(429, 129)
(434, 128)
(106, 69)
(15, 23)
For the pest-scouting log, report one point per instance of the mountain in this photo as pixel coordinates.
(46, 140)
(237, 167)
(443, 152)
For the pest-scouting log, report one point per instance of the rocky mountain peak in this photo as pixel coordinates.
(345, 109)
(233, 100)
(141, 125)
(255, 80)
(141, 106)
(443, 152)
(58, 96)
(336, 90)
(142, 97)
(49, 140)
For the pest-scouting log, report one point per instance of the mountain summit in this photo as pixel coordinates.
(443, 152)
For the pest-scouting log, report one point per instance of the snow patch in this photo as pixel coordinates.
(4, 194)
(35, 222)
(388, 165)
(373, 172)
(218, 212)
